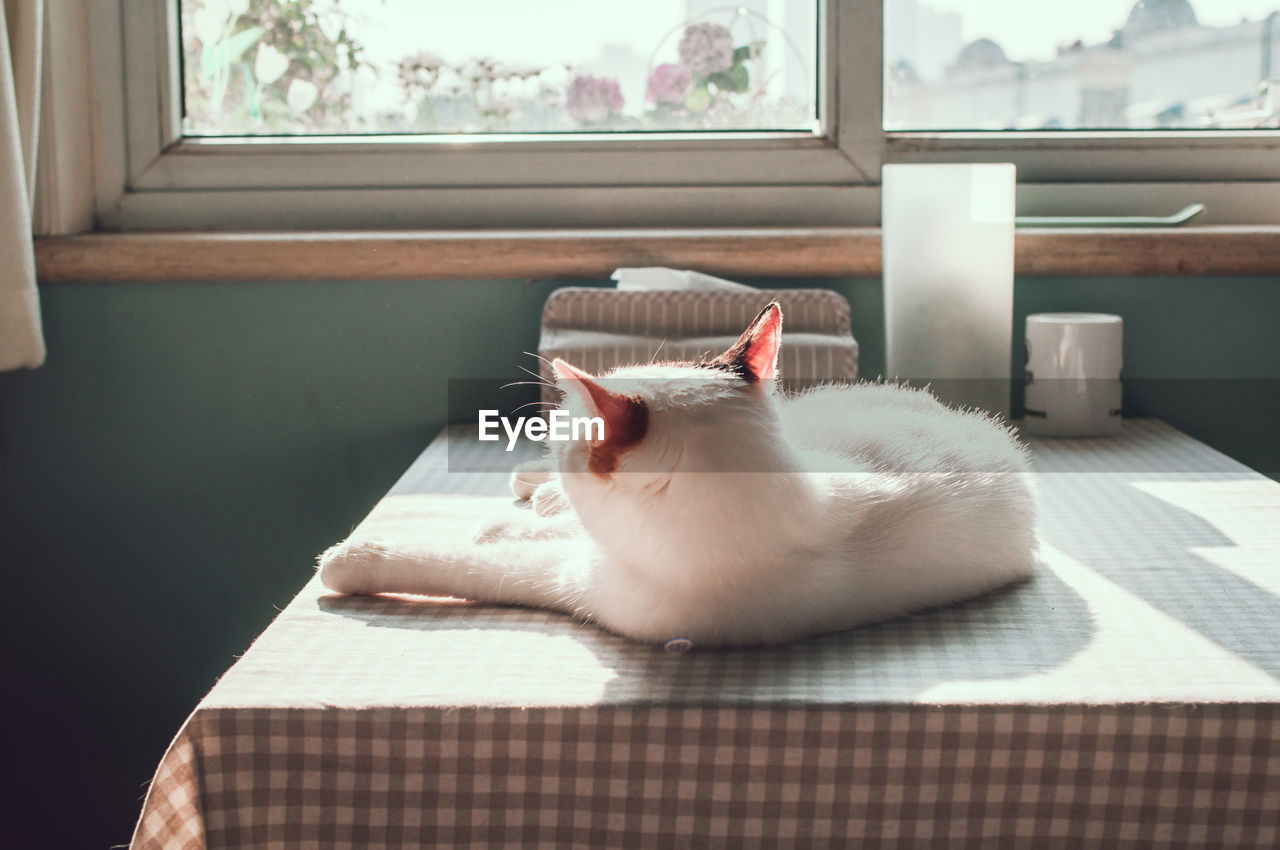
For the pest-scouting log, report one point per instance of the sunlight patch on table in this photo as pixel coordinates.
(1243, 511)
(1175, 662)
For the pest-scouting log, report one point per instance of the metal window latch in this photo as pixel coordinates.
(1177, 219)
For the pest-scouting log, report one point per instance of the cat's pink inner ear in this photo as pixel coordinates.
(766, 340)
(614, 408)
(578, 383)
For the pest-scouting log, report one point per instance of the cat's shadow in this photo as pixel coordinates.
(1024, 629)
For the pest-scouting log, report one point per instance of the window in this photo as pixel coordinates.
(270, 114)
(1105, 106)
(350, 67)
(1084, 65)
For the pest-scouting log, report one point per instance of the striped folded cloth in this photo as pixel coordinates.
(695, 316)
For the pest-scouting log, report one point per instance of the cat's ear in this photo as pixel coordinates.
(755, 355)
(625, 417)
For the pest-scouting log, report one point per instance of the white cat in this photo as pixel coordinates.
(718, 511)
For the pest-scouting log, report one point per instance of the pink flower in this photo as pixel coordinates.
(706, 48)
(669, 83)
(592, 99)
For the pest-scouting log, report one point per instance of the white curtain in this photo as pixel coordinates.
(21, 37)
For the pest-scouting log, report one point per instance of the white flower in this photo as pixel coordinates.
(238, 7)
(211, 22)
(366, 95)
(301, 95)
(269, 64)
(331, 23)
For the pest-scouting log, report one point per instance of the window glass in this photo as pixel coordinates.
(1081, 64)
(272, 67)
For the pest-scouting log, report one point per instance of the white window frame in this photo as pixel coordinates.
(149, 177)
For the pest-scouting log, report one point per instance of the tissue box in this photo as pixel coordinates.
(597, 329)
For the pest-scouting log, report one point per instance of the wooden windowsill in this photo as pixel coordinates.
(813, 252)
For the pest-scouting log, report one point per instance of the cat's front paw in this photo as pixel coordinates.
(348, 568)
(528, 476)
(549, 499)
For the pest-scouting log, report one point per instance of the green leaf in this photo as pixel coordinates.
(748, 51)
(735, 79)
(220, 55)
(219, 91)
(698, 100)
(251, 92)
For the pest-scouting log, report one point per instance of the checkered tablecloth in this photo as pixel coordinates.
(1129, 696)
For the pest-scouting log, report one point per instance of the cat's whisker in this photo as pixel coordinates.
(543, 404)
(539, 357)
(528, 371)
(551, 385)
(659, 351)
(530, 384)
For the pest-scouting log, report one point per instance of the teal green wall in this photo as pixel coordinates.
(167, 478)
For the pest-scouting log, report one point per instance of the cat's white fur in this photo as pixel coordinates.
(743, 517)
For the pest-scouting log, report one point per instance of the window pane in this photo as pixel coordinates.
(256, 67)
(1081, 64)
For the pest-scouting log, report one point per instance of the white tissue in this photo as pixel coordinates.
(661, 277)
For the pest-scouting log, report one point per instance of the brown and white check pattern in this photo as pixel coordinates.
(758, 776)
(1128, 697)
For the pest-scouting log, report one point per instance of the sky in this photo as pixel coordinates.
(1032, 29)
(547, 32)
(553, 32)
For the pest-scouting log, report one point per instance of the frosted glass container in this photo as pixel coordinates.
(948, 279)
